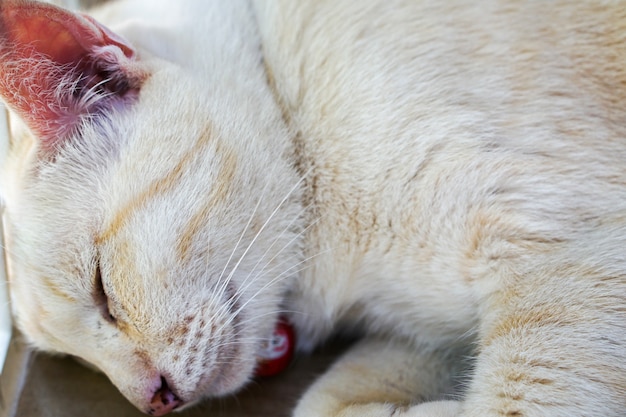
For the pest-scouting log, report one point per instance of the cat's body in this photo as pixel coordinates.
(435, 174)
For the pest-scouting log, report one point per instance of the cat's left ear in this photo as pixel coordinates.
(56, 67)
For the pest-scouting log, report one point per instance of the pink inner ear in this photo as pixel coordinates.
(48, 35)
(58, 66)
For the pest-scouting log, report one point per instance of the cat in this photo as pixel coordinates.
(445, 180)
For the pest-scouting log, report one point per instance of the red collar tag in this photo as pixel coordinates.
(277, 351)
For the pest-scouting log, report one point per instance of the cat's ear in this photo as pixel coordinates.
(57, 67)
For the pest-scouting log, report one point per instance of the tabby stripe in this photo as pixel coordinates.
(158, 187)
(58, 292)
(218, 193)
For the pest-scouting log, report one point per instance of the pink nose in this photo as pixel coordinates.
(163, 401)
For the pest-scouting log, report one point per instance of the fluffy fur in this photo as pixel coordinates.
(442, 178)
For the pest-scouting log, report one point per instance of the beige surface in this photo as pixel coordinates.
(60, 387)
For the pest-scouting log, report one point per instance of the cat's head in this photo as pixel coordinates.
(152, 219)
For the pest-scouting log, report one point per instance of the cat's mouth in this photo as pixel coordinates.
(274, 356)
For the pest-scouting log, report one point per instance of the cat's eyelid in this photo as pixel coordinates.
(100, 296)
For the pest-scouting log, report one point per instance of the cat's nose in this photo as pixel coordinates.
(163, 400)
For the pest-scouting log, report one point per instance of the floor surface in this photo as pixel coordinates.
(61, 387)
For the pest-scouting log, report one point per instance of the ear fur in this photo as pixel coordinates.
(58, 67)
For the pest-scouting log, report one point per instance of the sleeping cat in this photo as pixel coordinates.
(441, 178)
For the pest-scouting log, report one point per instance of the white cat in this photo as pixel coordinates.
(439, 177)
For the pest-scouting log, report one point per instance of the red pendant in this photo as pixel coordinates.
(278, 351)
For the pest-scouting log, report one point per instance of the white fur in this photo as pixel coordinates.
(437, 174)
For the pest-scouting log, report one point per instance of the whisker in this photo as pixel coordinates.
(242, 290)
(228, 279)
(271, 216)
(242, 342)
(224, 285)
(297, 217)
(272, 314)
(246, 283)
(224, 311)
(6, 252)
(247, 341)
(283, 275)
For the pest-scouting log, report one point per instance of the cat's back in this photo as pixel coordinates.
(485, 69)
(384, 93)
(421, 125)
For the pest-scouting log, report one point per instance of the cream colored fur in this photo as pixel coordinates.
(439, 177)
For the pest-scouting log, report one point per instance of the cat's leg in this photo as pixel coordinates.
(382, 379)
(554, 345)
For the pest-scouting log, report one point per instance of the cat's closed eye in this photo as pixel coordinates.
(100, 296)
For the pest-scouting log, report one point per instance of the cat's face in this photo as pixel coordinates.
(156, 243)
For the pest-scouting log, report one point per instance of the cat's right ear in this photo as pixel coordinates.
(58, 67)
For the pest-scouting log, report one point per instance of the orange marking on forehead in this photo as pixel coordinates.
(157, 187)
(217, 194)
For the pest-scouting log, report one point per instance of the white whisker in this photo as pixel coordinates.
(297, 217)
(246, 283)
(10, 254)
(228, 279)
(224, 285)
(283, 275)
(267, 221)
(243, 289)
